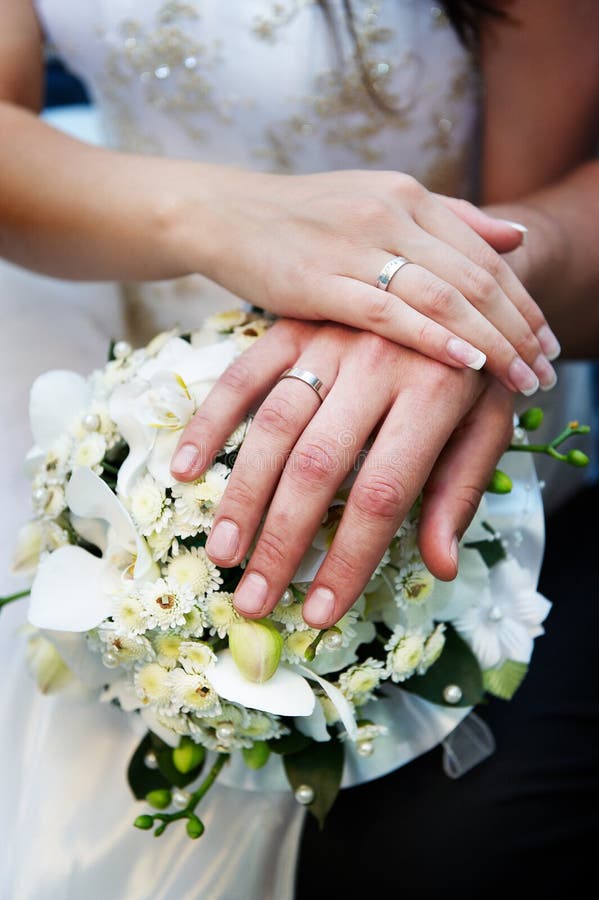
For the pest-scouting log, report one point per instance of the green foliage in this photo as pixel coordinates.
(159, 799)
(289, 743)
(320, 766)
(531, 419)
(143, 780)
(577, 458)
(256, 756)
(505, 681)
(188, 756)
(456, 665)
(144, 822)
(500, 483)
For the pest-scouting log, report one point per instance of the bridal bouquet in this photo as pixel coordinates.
(125, 595)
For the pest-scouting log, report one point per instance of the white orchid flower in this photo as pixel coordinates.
(56, 399)
(71, 591)
(505, 621)
(153, 408)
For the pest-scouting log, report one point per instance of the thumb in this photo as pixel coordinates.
(503, 235)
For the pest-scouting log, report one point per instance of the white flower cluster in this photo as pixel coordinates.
(118, 546)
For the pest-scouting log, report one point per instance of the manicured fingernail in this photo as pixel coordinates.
(223, 541)
(519, 227)
(251, 594)
(549, 343)
(453, 551)
(545, 371)
(522, 377)
(320, 607)
(465, 353)
(185, 459)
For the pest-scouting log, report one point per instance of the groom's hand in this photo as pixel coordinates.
(431, 426)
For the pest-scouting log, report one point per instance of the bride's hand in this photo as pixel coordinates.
(434, 426)
(313, 246)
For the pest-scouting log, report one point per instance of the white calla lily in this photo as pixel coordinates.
(287, 693)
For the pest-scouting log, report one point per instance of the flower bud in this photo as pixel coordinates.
(577, 458)
(531, 419)
(144, 822)
(256, 648)
(256, 756)
(195, 828)
(159, 799)
(500, 483)
(188, 756)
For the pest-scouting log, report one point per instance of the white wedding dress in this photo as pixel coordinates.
(272, 86)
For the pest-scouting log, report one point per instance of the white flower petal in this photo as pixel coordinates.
(56, 399)
(150, 720)
(206, 363)
(341, 704)
(94, 531)
(140, 438)
(531, 608)
(336, 660)
(66, 594)
(159, 460)
(315, 725)
(486, 646)
(285, 694)
(516, 641)
(124, 691)
(86, 665)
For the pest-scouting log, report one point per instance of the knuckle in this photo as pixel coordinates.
(381, 308)
(382, 495)
(342, 565)
(313, 462)
(239, 494)
(277, 416)
(271, 551)
(237, 377)
(482, 285)
(409, 187)
(528, 346)
(491, 262)
(438, 298)
(374, 350)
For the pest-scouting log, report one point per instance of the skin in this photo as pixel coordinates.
(329, 233)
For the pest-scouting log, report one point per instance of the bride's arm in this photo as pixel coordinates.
(303, 246)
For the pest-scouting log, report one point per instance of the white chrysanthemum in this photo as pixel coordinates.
(405, 653)
(347, 623)
(196, 657)
(296, 644)
(359, 682)
(433, 648)
(167, 646)
(48, 499)
(90, 451)
(195, 623)
(221, 613)
(263, 727)
(194, 568)
(195, 502)
(414, 584)
(194, 693)
(153, 684)
(127, 649)
(129, 614)
(290, 616)
(237, 437)
(166, 603)
(246, 335)
(149, 505)
(235, 718)
(225, 322)
(56, 464)
(178, 724)
(53, 536)
(162, 544)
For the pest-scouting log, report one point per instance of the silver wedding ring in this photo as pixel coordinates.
(308, 378)
(389, 270)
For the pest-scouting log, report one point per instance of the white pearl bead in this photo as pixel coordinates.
(495, 614)
(91, 422)
(40, 495)
(365, 748)
(180, 798)
(452, 693)
(304, 794)
(121, 349)
(225, 731)
(287, 599)
(150, 760)
(110, 660)
(333, 640)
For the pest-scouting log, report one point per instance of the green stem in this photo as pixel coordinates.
(207, 783)
(4, 601)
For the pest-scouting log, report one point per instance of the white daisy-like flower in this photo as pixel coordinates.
(296, 644)
(90, 451)
(128, 650)
(225, 322)
(414, 584)
(129, 614)
(48, 499)
(195, 502)
(433, 648)
(290, 616)
(506, 620)
(167, 403)
(405, 653)
(235, 718)
(167, 646)
(163, 543)
(178, 724)
(221, 613)
(153, 684)
(56, 464)
(196, 657)
(246, 335)
(150, 507)
(166, 603)
(359, 682)
(193, 568)
(194, 693)
(195, 623)
(263, 727)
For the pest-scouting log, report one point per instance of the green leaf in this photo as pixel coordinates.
(289, 743)
(456, 665)
(320, 765)
(141, 779)
(492, 551)
(505, 681)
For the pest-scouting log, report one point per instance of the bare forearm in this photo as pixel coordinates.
(559, 263)
(76, 211)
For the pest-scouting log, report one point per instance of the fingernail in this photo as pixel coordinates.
(453, 551)
(522, 377)
(223, 540)
(320, 607)
(519, 227)
(545, 371)
(465, 353)
(549, 343)
(185, 459)
(251, 594)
